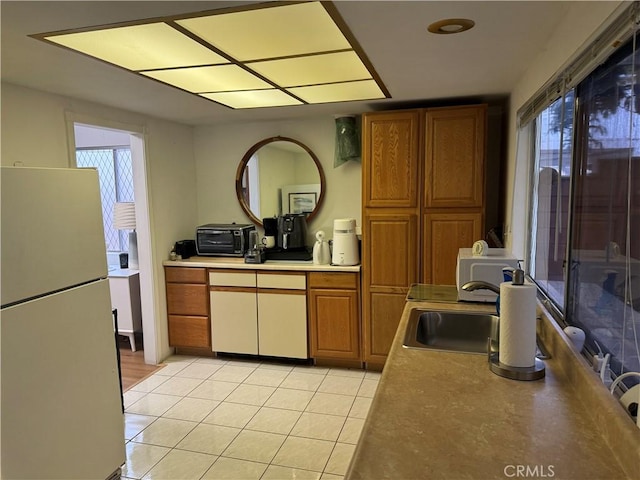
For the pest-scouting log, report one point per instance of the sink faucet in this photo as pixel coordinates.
(480, 285)
(516, 275)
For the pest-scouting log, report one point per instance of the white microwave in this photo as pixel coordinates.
(486, 268)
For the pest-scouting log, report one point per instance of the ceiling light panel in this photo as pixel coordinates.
(272, 54)
(253, 99)
(270, 32)
(339, 92)
(313, 69)
(140, 47)
(223, 78)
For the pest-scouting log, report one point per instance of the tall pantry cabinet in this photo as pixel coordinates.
(423, 199)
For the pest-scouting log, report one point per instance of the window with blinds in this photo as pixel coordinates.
(585, 194)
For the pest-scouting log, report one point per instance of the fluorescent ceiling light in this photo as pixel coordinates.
(298, 29)
(221, 78)
(140, 47)
(272, 55)
(338, 92)
(314, 69)
(253, 99)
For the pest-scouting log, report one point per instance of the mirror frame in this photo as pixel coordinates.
(245, 161)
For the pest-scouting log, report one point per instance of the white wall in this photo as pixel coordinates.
(34, 131)
(218, 150)
(580, 26)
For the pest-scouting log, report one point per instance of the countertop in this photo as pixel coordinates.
(238, 263)
(446, 415)
(122, 272)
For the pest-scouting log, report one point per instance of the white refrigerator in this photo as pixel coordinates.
(61, 412)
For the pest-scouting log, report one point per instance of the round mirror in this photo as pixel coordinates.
(279, 175)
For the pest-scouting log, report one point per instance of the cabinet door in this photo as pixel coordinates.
(187, 299)
(334, 324)
(282, 324)
(234, 321)
(390, 250)
(455, 153)
(444, 234)
(390, 151)
(390, 266)
(384, 317)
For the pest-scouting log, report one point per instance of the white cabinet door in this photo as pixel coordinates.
(234, 322)
(282, 324)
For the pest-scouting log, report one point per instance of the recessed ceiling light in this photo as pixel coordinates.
(451, 25)
(257, 56)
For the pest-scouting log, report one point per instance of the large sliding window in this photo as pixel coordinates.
(585, 221)
(552, 173)
(604, 285)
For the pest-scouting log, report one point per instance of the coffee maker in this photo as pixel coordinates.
(292, 231)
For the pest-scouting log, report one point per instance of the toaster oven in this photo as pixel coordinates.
(225, 240)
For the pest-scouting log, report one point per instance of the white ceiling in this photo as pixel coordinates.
(416, 67)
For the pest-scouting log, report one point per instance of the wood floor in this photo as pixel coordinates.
(132, 364)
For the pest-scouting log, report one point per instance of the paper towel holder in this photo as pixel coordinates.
(534, 372)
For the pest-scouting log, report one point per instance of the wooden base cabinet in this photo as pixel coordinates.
(334, 315)
(187, 307)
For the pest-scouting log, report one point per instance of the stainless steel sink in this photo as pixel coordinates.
(452, 331)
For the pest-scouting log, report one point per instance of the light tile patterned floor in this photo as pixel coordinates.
(206, 418)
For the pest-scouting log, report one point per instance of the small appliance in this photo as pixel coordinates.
(486, 267)
(292, 231)
(270, 232)
(223, 239)
(185, 248)
(254, 254)
(345, 242)
(321, 253)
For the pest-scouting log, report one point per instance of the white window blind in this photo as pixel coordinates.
(620, 30)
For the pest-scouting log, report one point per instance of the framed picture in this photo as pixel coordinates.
(302, 202)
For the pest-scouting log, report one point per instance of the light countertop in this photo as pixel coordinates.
(238, 263)
(446, 415)
(116, 272)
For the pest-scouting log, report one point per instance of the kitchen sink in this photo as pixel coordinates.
(451, 331)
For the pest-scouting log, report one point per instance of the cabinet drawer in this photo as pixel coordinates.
(333, 280)
(232, 279)
(185, 275)
(187, 299)
(293, 281)
(189, 331)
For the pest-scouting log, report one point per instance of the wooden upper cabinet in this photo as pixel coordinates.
(391, 145)
(444, 234)
(455, 157)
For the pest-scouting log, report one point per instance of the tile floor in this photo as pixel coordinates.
(205, 418)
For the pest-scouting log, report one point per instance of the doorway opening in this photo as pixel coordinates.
(118, 152)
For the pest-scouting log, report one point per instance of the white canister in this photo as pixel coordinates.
(321, 254)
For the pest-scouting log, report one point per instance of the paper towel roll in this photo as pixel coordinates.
(517, 324)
